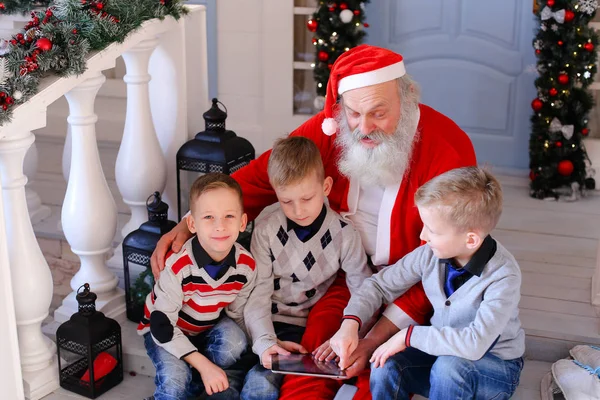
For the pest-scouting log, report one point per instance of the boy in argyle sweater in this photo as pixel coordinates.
(299, 247)
(474, 346)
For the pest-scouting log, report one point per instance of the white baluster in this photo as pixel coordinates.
(30, 275)
(89, 212)
(37, 211)
(140, 169)
(66, 158)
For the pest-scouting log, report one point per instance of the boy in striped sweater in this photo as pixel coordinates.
(299, 248)
(193, 319)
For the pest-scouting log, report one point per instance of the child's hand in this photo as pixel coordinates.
(345, 341)
(265, 358)
(395, 344)
(214, 378)
(292, 347)
(325, 353)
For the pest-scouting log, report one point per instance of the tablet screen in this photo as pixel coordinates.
(305, 364)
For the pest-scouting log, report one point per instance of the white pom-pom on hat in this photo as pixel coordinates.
(329, 126)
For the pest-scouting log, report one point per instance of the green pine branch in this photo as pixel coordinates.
(333, 36)
(57, 40)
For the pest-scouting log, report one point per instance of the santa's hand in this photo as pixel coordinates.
(324, 352)
(172, 240)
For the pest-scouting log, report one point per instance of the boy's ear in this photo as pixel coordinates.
(191, 224)
(327, 185)
(244, 222)
(474, 240)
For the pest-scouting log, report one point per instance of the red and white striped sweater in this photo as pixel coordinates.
(192, 301)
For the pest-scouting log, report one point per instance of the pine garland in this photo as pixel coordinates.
(59, 39)
(22, 6)
(566, 50)
(338, 27)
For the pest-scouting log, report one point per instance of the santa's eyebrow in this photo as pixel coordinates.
(349, 109)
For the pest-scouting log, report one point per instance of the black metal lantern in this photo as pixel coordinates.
(90, 359)
(213, 150)
(137, 250)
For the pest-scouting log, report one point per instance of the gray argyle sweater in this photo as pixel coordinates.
(480, 316)
(293, 275)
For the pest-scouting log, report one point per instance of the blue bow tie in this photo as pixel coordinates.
(213, 269)
(452, 274)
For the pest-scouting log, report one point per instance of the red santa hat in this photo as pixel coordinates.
(359, 67)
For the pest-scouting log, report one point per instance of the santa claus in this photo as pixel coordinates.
(379, 144)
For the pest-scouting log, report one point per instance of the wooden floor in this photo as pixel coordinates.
(556, 245)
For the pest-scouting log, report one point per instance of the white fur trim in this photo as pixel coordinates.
(329, 126)
(384, 226)
(372, 77)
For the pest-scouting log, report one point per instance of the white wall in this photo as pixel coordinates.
(247, 51)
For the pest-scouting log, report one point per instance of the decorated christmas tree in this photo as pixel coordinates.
(338, 27)
(566, 62)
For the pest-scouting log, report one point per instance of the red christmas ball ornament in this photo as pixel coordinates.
(565, 167)
(74, 31)
(550, 3)
(343, 6)
(312, 25)
(20, 36)
(4, 107)
(560, 42)
(552, 92)
(13, 42)
(332, 9)
(329, 66)
(563, 79)
(366, 25)
(2, 6)
(585, 131)
(537, 105)
(99, 6)
(569, 16)
(538, 51)
(49, 13)
(43, 44)
(558, 144)
(323, 56)
(532, 175)
(589, 46)
(356, 12)
(314, 40)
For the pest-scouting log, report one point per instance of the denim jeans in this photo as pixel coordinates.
(262, 383)
(177, 380)
(445, 377)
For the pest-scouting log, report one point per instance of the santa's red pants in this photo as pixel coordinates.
(323, 322)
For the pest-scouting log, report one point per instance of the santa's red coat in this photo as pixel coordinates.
(441, 146)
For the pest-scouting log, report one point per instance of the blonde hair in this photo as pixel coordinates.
(212, 181)
(470, 197)
(293, 159)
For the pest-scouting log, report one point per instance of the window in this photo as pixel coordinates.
(304, 57)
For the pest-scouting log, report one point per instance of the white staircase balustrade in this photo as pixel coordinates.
(89, 215)
(30, 276)
(37, 211)
(140, 168)
(89, 212)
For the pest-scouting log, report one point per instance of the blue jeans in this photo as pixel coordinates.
(177, 380)
(262, 383)
(445, 377)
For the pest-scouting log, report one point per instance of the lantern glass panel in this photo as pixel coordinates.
(139, 283)
(75, 372)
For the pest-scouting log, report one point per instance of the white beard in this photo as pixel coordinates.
(384, 164)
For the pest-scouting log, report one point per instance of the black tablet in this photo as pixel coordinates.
(305, 364)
